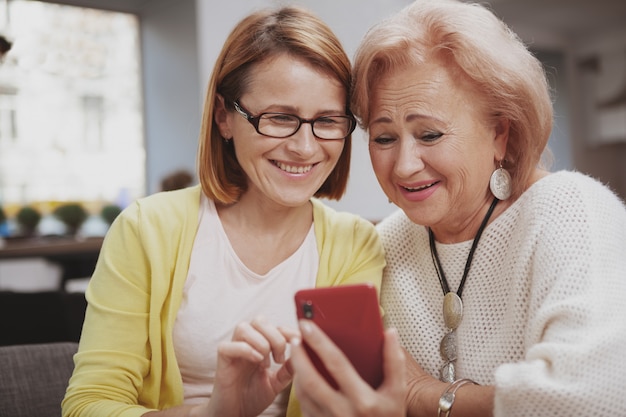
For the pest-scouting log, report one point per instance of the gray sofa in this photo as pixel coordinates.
(33, 378)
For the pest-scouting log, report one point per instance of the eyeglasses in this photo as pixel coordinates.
(283, 125)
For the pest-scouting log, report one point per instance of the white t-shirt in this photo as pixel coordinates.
(221, 292)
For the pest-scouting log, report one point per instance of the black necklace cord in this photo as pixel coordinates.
(433, 253)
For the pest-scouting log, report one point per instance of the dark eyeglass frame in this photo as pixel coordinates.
(255, 120)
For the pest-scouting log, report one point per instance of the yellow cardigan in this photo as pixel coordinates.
(126, 365)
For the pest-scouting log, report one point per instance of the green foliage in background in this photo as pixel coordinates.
(28, 218)
(71, 214)
(110, 212)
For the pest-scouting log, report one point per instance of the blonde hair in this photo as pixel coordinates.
(474, 43)
(258, 37)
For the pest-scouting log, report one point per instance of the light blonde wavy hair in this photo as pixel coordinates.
(474, 43)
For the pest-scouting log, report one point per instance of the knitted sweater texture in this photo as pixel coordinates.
(544, 303)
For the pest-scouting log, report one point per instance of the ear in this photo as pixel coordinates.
(501, 138)
(221, 117)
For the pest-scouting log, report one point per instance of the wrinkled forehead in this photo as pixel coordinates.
(428, 84)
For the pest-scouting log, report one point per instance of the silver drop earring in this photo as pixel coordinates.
(500, 183)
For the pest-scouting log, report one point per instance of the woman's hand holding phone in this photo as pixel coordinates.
(345, 365)
(350, 316)
(354, 397)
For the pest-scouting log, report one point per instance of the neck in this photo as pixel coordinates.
(462, 232)
(266, 218)
(264, 235)
(470, 256)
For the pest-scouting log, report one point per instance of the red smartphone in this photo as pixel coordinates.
(350, 316)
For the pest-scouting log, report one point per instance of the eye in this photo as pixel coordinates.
(383, 140)
(327, 121)
(280, 119)
(430, 136)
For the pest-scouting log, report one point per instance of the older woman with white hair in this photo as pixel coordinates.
(504, 281)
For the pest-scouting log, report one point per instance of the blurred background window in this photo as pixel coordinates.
(71, 111)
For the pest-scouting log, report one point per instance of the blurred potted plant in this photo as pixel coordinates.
(110, 212)
(28, 218)
(72, 215)
(4, 229)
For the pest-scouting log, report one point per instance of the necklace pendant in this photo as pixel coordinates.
(447, 348)
(452, 310)
(447, 373)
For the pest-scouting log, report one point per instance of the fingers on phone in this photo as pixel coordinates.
(394, 361)
(337, 364)
(316, 396)
(309, 383)
(264, 337)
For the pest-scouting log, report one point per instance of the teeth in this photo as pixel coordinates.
(417, 188)
(294, 169)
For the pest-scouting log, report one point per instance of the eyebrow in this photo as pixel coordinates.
(277, 108)
(410, 118)
(381, 119)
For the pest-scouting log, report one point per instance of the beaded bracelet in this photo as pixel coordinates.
(447, 398)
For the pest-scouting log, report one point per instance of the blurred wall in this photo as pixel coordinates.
(171, 86)
(604, 159)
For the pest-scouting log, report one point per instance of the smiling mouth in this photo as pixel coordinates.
(421, 188)
(300, 169)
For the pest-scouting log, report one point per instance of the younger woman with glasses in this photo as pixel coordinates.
(191, 304)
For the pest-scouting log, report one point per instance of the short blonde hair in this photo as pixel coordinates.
(510, 81)
(258, 37)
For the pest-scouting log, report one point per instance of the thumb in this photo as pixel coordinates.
(283, 377)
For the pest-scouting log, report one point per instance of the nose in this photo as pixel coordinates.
(303, 142)
(409, 158)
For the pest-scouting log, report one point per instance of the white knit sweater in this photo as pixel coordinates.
(544, 303)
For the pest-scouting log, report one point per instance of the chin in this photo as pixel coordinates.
(293, 201)
(415, 215)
